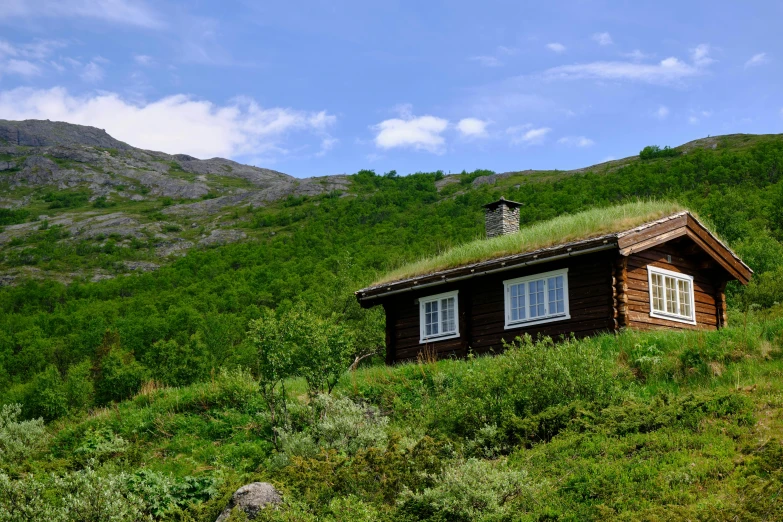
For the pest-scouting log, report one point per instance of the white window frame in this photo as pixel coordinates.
(677, 276)
(423, 338)
(522, 323)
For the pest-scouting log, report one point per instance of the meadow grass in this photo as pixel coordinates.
(563, 229)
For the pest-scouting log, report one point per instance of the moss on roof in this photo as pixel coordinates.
(563, 229)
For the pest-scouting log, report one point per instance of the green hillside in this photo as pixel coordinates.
(158, 386)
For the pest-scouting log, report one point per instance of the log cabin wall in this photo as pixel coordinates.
(481, 310)
(709, 282)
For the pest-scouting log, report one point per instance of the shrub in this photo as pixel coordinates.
(341, 425)
(473, 490)
(45, 396)
(83, 496)
(78, 387)
(119, 377)
(526, 379)
(101, 444)
(19, 438)
(654, 151)
(178, 364)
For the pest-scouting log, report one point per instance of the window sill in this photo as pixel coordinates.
(675, 318)
(428, 340)
(523, 324)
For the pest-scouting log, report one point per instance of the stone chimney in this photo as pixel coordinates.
(501, 217)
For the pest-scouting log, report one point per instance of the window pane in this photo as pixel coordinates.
(657, 293)
(671, 295)
(535, 290)
(517, 305)
(449, 323)
(431, 318)
(556, 301)
(684, 288)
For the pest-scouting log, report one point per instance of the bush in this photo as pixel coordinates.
(179, 364)
(526, 379)
(19, 438)
(119, 377)
(83, 496)
(654, 151)
(341, 425)
(45, 396)
(78, 387)
(473, 490)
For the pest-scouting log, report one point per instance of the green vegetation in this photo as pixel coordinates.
(654, 151)
(640, 426)
(163, 392)
(563, 229)
(12, 217)
(66, 199)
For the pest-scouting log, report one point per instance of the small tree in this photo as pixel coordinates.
(297, 343)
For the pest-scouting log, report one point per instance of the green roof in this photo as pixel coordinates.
(560, 230)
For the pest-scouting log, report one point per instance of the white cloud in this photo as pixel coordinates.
(666, 71)
(701, 55)
(508, 51)
(527, 134)
(662, 113)
(128, 12)
(417, 132)
(472, 127)
(576, 141)
(327, 144)
(92, 73)
(603, 38)
(20, 67)
(696, 116)
(757, 59)
(175, 124)
(637, 55)
(556, 47)
(487, 61)
(142, 59)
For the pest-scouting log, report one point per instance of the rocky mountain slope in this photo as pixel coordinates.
(93, 186)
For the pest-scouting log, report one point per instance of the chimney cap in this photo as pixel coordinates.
(502, 201)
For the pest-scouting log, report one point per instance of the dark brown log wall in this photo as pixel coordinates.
(708, 281)
(481, 309)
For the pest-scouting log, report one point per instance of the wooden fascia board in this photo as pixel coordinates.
(719, 250)
(653, 241)
(629, 242)
(722, 261)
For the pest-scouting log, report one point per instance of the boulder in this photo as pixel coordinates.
(251, 498)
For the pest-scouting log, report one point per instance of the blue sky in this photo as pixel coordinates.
(316, 88)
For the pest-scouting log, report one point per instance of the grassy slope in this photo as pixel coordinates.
(681, 426)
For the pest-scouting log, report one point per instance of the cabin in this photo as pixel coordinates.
(642, 265)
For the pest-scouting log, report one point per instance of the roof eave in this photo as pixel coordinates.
(491, 266)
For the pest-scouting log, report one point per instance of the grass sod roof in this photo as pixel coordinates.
(561, 230)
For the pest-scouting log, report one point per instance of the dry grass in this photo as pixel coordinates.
(563, 229)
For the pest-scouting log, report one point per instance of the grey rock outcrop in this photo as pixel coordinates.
(251, 499)
(45, 133)
(221, 237)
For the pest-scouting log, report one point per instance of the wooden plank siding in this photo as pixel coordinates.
(708, 282)
(482, 309)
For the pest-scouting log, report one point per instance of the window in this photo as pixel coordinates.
(537, 299)
(438, 317)
(671, 295)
